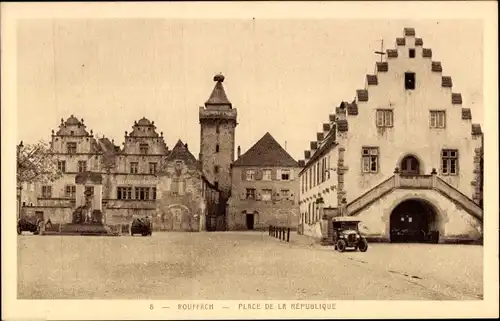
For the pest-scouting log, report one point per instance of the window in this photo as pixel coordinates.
(82, 166)
(144, 148)
(310, 178)
(89, 189)
(285, 174)
(285, 193)
(266, 194)
(47, 191)
(410, 80)
(142, 193)
(216, 169)
(217, 148)
(305, 181)
(152, 168)
(250, 174)
(124, 193)
(369, 159)
(437, 119)
(72, 132)
(153, 193)
(266, 175)
(216, 184)
(302, 183)
(61, 166)
(71, 148)
(384, 117)
(217, 128)
(449, 162)
(412, 53)
(318, 172)
(134, 167)
(70, 191)
(250, 193)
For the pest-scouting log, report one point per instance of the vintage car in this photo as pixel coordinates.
(346, 234)
(31, 224)
(141, 226)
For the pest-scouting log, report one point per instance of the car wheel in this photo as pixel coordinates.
(341, 245)
(363, 245)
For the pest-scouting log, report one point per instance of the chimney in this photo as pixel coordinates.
(239, 151)
(186, 145)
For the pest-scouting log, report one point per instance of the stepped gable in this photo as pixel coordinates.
(352, 108)
(446, 82)
(362, 95)
(476, 129)
(266, 152)
(143, 128)
(372, 79)
(181, 152)
(456, 98)
(466, 113)
(72, 127)
(323, 149)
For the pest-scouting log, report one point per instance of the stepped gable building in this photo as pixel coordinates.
(264, 187)
(413, 171)
(143, 178)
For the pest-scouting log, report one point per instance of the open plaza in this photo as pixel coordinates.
(242, 265)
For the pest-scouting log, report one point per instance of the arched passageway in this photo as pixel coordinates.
(414, 221)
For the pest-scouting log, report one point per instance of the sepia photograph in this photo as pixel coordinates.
(249, 164)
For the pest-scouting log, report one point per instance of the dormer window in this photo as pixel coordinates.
(411, 53)
(409, 80)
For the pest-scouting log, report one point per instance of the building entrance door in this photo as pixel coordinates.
(250, 221)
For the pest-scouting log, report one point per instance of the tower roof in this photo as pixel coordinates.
(218, 96)
(266, 152)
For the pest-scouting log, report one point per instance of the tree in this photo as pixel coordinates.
(36, 164)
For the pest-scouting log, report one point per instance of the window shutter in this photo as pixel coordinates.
(278, 174)
(243, 174)
(273, 174)
(258, 174)
(291, 174)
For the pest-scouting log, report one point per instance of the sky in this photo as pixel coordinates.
(283, 76)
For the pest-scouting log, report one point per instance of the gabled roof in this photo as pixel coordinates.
(218, 96)
(181, 152)
(266, 152)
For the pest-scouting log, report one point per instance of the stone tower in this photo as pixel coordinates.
(218, 123)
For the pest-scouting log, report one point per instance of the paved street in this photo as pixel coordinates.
(241, 265)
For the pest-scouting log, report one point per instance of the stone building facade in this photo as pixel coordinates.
(264, 188)
(143, 178)
(404, 156)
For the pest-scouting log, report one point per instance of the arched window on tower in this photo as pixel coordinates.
(217, 128)
(217, 148)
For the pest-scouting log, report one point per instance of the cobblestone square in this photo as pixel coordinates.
(241, 265)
